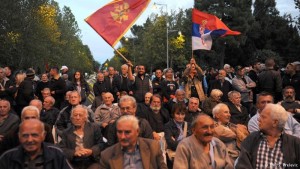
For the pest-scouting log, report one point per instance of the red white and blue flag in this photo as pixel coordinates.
(204, 27)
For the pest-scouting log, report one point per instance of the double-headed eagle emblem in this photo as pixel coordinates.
(120, 14)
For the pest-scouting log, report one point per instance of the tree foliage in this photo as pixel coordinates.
(35, 33)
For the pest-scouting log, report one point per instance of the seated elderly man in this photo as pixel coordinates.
(239, 113)
(232, 135)
(289, 103)
(132, 151)
(270, 147)
(83, 141)
(179, 98)
(292, 127)
(107, 112)
(12, 139)
(202, 150)
(49, 113)
(33, 152)
(128, 106)
(143, 107)
(210, 102)
(8, 121)
(63, 120)
(193, 110)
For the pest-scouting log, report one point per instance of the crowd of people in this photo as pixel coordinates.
(241, 117)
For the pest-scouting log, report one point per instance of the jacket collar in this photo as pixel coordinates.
(117, 159)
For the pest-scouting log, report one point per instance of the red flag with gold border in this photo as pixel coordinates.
(113, 20)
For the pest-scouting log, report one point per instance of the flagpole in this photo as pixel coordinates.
(121, 55)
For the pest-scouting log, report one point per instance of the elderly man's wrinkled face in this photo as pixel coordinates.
(204, 129)
(180, 96)
(147, 98)
(224, 115)
(127, 108)
(236, 99)
(108, 99)
(155, 104)
(4, 107)
(79, 116)
(46, 93)
(193, 105)
(29, 114)
(127, 135)
(47, 104)
(31, 136)
(265, 121)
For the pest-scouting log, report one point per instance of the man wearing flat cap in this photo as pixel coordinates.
(243, 84)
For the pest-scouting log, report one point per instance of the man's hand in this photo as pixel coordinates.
(156, 136)
(83, 152)
(104, 125)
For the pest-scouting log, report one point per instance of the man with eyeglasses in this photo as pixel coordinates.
(291, 127)
(128, 106)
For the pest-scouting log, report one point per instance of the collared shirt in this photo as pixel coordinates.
(269, 157)
(78, 141)
(179, 126)
(37, 163)
(132, 160)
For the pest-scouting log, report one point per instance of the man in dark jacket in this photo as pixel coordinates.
(58, 87)
(271, 139)
(33, 153)
(156, 82)
(270, 81)
(101, 86)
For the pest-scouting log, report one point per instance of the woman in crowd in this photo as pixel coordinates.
(80, 85)
(169, 85)
(210, 102)
(176, 130)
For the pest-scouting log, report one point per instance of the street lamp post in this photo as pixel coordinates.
(167, 30)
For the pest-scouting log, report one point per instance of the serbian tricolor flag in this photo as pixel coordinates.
(204, 27)
(113, 20)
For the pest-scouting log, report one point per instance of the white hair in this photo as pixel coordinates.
(277, 112)
(226, 66)
(129, 118)
(217, 108)
(216, 92)
(128, 98)
(80, 107)
(30, 108)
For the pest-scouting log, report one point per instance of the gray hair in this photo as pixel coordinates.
(216, 92)
(30, 108)
(80, 107)
(52, 100)
(179, 90)
(194, 98)
(230, 94)
(277, 112)
(124, 65)
(129, 118)
(128, 98)
(217, 108)
(226, 66)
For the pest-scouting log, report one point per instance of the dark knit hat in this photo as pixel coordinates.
(30, 73)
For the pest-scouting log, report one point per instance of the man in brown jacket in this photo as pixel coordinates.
(132, 151)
